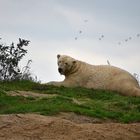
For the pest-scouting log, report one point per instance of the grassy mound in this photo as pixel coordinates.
(95, 103)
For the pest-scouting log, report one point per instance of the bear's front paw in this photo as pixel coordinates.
(50, 83)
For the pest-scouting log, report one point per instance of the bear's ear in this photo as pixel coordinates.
(58, 55)
(74, 62)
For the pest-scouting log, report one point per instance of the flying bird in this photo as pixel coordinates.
(102, 36)
(85, 20)
(119, 43)
(80, 32)
(138, 35)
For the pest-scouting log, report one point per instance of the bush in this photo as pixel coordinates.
(10, 56)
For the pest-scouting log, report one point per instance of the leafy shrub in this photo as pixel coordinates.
(10, 56)
(26, 74)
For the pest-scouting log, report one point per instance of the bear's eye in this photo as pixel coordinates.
(66, 63)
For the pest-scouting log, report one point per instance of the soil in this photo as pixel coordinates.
(64, 126)
(38, 127)
(30, 94)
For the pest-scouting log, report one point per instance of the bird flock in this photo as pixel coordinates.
(101, 37)
(129, 38)
(80, 32)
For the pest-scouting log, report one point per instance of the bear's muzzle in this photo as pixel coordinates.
(60, 70)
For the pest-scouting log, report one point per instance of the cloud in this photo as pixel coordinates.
(52, 25)
(75, 18)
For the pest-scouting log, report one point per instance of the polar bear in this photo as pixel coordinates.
(107, 77)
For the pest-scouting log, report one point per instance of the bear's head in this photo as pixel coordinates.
(66, 64)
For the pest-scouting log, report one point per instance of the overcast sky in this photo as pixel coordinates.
(90, 30)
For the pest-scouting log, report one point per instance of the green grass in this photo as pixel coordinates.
(95, 103)
(17, 85)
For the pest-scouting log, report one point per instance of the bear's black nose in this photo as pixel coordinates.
(60, 70)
